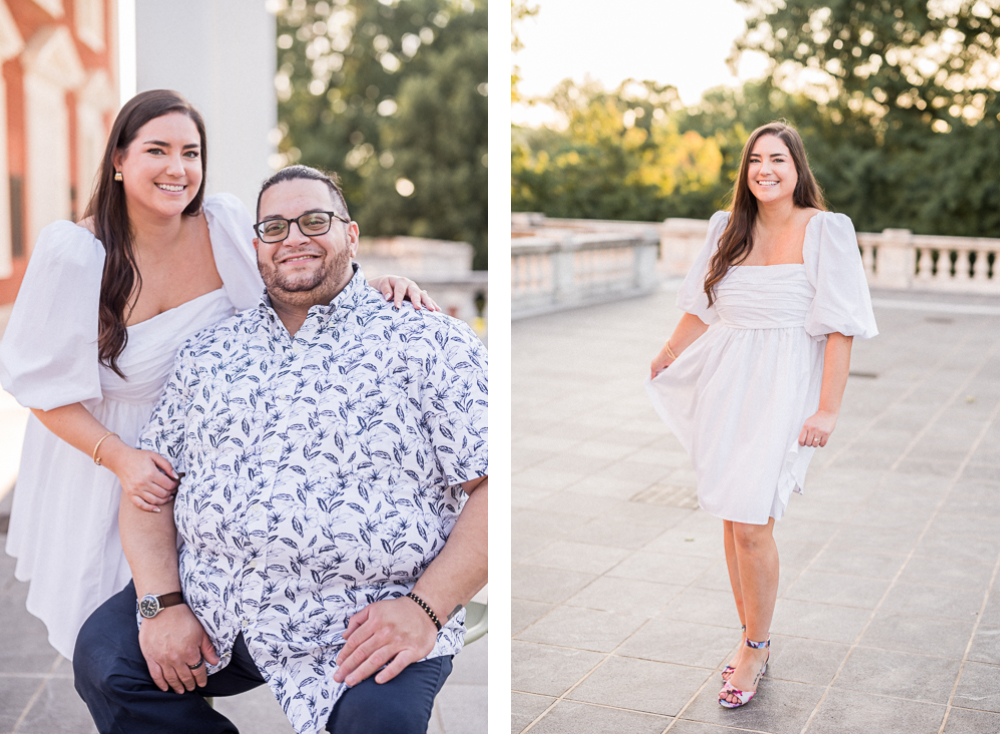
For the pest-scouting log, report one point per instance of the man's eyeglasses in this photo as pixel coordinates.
(311, 224)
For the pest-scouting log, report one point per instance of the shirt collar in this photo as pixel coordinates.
(353, 294)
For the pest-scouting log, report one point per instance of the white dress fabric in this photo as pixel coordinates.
(64, 520)
(737, 397)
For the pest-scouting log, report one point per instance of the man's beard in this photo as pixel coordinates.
(317, 280)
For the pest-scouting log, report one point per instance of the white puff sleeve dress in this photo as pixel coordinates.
(64, 520)
(737, 397)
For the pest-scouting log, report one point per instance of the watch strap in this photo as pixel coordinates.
(169, 600)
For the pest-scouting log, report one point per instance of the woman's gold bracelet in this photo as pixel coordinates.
(670, 352)
(95, 457)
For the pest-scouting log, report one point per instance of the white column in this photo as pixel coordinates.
(10, 46)
(221, 55)
(97, 98)
(51, 68)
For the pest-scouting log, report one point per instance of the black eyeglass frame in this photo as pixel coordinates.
(333, 215)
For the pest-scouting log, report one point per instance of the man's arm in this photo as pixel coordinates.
(174, 639)
(398, 630)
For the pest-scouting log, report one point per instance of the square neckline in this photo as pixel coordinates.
(805, 236)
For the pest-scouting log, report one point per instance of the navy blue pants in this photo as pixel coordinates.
(112, 677)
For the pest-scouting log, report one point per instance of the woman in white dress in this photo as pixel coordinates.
(101, 312)
(751, 380)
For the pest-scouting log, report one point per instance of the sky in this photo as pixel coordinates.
(680, 42)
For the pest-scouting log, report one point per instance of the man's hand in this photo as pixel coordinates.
(393, 631)
(172, 642)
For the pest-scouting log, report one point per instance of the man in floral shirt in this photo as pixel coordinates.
(333, 506)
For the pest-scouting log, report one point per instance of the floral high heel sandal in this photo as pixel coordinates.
(743, 698)
(728, 670)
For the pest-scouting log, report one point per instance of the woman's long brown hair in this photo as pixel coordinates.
(736, 241)
(121, 282)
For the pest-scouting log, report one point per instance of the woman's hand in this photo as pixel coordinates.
(662, 360)
(817, 429)
(147, 478)
(396, 288)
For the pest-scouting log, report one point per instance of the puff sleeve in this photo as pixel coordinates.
(232, 246)
(48, 356)
(833, 266)
(691, 296)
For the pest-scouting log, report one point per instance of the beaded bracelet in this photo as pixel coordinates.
(423, 605)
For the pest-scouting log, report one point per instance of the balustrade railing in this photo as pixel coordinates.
(563, 268)
(556, 263)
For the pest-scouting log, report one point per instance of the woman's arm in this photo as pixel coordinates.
(146, 477)
(836, 364)
(687, 331)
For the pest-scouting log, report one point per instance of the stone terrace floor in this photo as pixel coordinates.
(888, 616)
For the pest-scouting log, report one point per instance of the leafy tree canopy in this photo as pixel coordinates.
(897, 104)
(392, 95)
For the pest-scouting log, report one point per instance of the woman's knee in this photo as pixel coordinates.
(751, 537)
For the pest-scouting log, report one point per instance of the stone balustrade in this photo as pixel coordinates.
(564, 267)
(893, 259)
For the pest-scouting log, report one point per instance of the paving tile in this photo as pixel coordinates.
(470, 665)
(689, 542)
(882, 540)
(552, 525)
(539, 477)
(934, 601)
(703, 606)
(25, 647)
(579, 557)
(818, 621)
(960, 548)
(583, 629)
(525, 708)
(959, 573)
(546, 670)
(797, 553)
(683, 643)
(597, 485)
(255, 712)
(857, 562)
(579, 718)
(850, 712)
(986, 645)
(17, 692)
(461, 708)
(804, 531)
(781, 707)
(59, 710)
(979, 688)
(842, 590)
(965, 524)
(804, 661)
(615, 532)
(920, 635)
(641, 685)
(549, 585)
(694, 727)
(524, 613)
(662, 568)
(889, 673)
(963, 721)
(523, 545)
(625, 596)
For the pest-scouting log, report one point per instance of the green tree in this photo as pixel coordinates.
(620, 156)
(347, 70)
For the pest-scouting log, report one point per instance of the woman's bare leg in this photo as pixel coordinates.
(757, 558)
(734, 580)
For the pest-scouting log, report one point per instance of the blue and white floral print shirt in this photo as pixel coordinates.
(323, 475)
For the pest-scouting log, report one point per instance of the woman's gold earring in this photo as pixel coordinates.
(118, 175)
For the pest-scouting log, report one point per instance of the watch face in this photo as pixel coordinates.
(149, 606)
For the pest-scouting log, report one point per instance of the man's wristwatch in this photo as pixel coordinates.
(150, 606)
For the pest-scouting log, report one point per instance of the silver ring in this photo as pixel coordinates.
(195, 667)
(815, 442)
